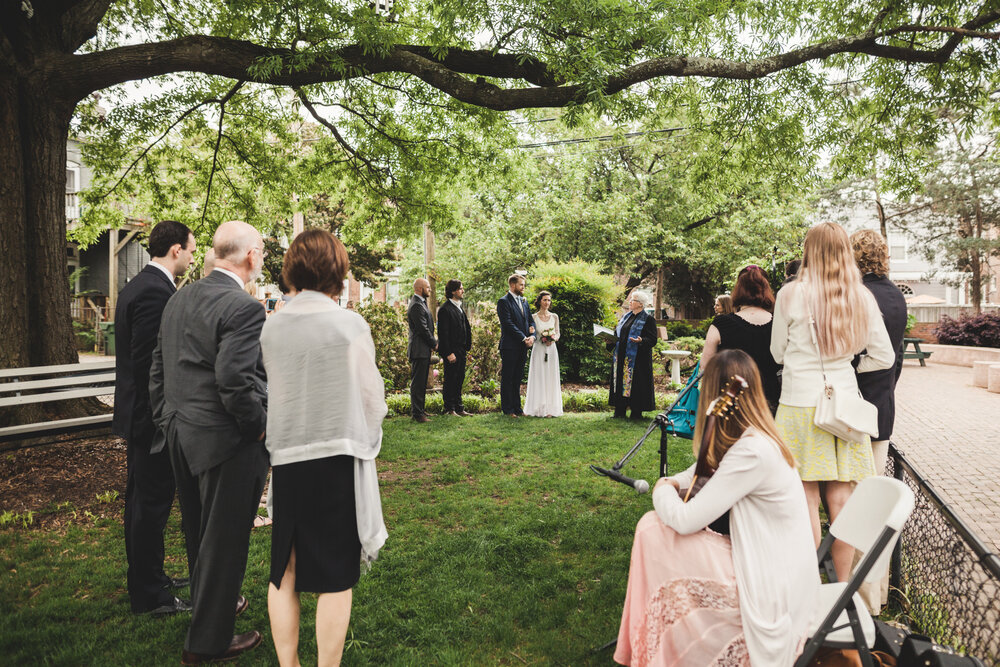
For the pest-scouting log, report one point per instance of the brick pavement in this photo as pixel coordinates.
(949, 430)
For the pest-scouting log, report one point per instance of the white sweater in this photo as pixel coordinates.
(792, 345)
(774, 557)
(326, 397)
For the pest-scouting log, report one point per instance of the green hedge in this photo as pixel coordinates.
(579, 401)
(581, 296)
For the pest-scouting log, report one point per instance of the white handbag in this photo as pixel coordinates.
(845, 414)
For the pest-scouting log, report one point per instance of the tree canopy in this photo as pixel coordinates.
(414, 101)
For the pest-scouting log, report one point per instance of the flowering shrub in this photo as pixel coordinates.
(388, 325)
(982, 330)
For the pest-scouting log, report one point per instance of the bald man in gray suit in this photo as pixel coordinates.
(208, 392)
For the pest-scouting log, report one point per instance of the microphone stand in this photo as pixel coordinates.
(661, 421)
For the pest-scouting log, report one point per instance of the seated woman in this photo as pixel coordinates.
(696, 597)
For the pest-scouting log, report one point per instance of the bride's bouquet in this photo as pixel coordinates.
(547, 336)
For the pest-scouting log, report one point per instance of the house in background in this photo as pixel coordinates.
(930, 290)
(107, 264)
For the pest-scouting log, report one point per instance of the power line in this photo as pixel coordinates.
(606, 137)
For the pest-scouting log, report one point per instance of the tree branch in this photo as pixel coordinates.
(85, 73)
(218, 142)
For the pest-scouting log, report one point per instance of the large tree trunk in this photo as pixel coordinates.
(36, 327)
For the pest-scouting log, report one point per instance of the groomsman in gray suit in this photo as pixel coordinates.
(422, 342)
(208, 392)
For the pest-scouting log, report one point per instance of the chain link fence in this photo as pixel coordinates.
(946, 581)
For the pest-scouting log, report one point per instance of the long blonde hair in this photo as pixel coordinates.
(837, 297)
(750, 410)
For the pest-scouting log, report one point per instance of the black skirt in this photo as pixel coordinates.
(314, 511)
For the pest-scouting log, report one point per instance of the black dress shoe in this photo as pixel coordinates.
(180, 582)
(240, 644)
(170, 608)
(241, 605)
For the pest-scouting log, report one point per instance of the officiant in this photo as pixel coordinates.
(632, 359)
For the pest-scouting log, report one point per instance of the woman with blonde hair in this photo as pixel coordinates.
(696, 597)
(724, 305)
(829, 292)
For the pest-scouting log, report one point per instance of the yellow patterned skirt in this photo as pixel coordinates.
(822, 456)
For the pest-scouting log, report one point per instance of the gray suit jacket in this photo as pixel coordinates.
(422, 340)
(207, 385)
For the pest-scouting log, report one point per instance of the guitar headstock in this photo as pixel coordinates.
(724, 403)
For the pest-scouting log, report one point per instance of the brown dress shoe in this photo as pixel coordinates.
(240, 644)
(241, 605)
(463, 413)
(420, 419)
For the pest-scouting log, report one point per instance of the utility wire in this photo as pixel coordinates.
(606, 137)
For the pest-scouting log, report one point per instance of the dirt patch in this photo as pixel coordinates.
(392, 471)
(65, 482)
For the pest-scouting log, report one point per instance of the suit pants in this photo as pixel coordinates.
(149, 494)
(218, 506)
(511, 371)
(454, 378)
(418, 385)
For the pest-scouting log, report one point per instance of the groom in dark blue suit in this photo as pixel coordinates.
(517, 335)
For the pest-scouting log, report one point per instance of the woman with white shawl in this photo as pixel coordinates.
(326, 403)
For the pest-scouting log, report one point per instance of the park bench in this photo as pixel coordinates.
(917, 353)
(46, 384)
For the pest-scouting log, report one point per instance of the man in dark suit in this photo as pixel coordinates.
(421, 344)
(208, 392)
(149, 489)
(454, 341)
(517, 335)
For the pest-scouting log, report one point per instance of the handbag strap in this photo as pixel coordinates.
(814, 335)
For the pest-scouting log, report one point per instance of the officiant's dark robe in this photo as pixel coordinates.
(642, 398)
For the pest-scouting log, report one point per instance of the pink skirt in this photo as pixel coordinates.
(681, 607)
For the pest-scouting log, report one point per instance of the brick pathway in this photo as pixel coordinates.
(950, 431)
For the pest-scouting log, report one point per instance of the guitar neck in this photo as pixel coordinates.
(701, 468)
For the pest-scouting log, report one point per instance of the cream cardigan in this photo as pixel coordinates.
(792, 345)
(326, 397)
(774, 557)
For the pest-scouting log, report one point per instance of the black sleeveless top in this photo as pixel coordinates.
(735, 333)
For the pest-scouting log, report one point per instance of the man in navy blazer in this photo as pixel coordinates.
(149, 489)
(517, 335)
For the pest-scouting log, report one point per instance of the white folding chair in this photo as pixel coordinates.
(870, 521)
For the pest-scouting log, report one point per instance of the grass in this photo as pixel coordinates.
(504, 549)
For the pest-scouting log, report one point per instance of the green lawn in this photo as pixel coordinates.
(504, 549)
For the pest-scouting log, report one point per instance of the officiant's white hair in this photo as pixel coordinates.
(642, 297)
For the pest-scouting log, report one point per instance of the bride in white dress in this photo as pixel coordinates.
(544, 397)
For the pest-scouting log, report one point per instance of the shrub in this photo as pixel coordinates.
(581, 296)
(911, 321)
(85, 338)
(982, 330)
(389, 331)
(681, 329)
(483, 361)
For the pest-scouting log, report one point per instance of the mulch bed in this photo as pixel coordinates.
(60, 482)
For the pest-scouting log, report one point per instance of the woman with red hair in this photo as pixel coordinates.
(748, 329)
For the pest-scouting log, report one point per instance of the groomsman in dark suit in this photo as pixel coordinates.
(422, 342)
(454, 341)
(208, 392)
(149, 489)
(517, 335)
